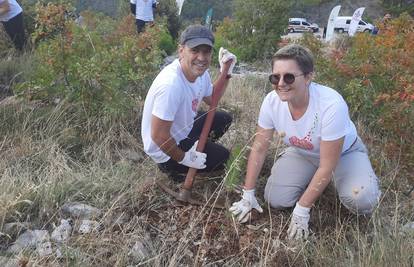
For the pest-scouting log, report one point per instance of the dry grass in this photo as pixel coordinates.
(50, 157)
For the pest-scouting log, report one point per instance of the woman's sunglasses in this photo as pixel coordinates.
(288, 78)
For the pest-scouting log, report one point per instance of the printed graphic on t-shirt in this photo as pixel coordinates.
(306, 142)
(194, 104)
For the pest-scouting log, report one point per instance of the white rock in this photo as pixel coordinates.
(59, 253)
(138, 251)
(408, 227)
(131, 155)
(88, 226)
(44, 248)
(14, 228)
(7, 262)
(62, 232)
(37, 239)
(80, 210)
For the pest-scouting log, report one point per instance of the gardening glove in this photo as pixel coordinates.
(298, 228)
(194, 159)
(242, 209)
(224, 56)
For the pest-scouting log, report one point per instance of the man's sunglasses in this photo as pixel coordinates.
(288, 78)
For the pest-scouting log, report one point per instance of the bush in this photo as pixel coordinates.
(97, 65)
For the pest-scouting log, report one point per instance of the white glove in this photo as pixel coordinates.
(298, 227)
(194, 159)
(224, 56)
(243, 207)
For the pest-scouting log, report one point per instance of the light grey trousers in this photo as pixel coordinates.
(353, 178)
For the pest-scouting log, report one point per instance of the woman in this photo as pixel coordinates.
(323, 146)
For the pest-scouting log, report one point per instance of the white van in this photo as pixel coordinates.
(342, 25)
(302, 25)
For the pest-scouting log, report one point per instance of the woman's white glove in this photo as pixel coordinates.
(243, 207)
(298, 228)
(194, 159)
(224, 56)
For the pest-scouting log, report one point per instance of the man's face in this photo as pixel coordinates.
(195, 61)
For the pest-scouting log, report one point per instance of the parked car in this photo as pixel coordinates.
(342, 25)
(302, 25)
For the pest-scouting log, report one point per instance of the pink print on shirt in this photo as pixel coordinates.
(194, 104)
(306, 142)
(302, 143)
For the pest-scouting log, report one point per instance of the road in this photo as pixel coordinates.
(296, 35)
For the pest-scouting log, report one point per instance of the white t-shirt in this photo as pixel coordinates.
(172, 97)
(143, 9)
(326, 118)
(15, 9)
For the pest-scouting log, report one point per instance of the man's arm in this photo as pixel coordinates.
(329, 156)
(160, 134)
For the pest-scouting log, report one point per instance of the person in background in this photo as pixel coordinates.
(144, 12)
(323, 146)
(383, 24)
(171, 120)
(11, 16)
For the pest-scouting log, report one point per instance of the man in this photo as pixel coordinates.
(143, 11)
(171, 124)
(11, 15)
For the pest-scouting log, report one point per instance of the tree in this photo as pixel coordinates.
(197, 9)
(399, 6)
(258, 26)
(169, 9)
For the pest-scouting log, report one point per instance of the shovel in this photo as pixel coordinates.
(184, 195)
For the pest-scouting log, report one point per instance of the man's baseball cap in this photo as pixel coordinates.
(196, 35)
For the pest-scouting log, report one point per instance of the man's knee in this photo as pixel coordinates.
(227, 118)
(222, 121)
(217, 155)
(360, 200)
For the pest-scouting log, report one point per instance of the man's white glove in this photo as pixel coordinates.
(194, 159)
(298, 228)
(224, 56)
(243, 207)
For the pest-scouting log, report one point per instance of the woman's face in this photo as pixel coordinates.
(290, 92)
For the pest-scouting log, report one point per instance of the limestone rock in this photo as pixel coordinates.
(79, 210)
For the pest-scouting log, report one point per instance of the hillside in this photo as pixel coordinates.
(320, 13)
(197, 8)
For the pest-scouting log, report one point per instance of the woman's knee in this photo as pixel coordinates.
(281, 198)
(360, 200)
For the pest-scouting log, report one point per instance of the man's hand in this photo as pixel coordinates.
(225, 56)
(298, 228)
(194, 159)
(242, 209)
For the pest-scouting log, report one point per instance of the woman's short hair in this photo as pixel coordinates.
(302, 55)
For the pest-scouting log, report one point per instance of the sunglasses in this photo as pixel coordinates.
(288, 78)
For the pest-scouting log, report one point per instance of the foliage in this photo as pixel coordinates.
(235, 166)
(399, 6)
(95, 64)
(168, 9)
(197, 9)
(255, 30)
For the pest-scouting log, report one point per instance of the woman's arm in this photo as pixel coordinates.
(257, 156)
(330, 152)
